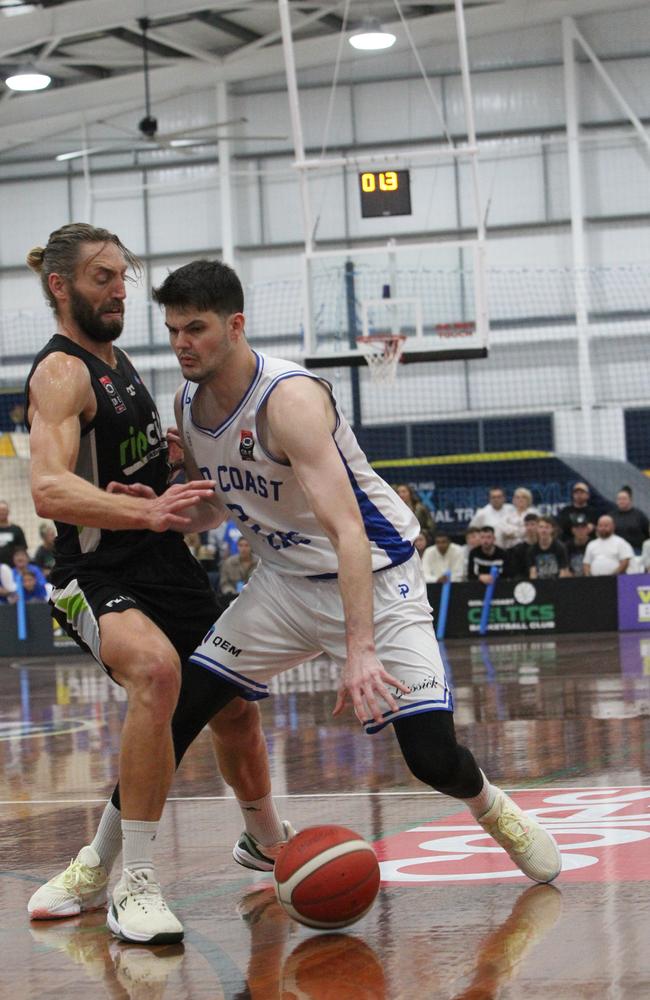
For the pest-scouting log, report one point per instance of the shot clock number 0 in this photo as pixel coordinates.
(385, 192)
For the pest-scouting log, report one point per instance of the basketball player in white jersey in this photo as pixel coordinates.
(338, 573)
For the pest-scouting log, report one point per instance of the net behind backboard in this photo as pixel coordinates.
(432, 294)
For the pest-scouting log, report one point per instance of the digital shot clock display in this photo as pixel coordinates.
(385, 192)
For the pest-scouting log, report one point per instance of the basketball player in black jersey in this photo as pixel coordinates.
(125, 584)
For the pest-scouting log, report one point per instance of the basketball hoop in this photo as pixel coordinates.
(383, 352)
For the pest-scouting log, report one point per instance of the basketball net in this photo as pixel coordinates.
(383, 352)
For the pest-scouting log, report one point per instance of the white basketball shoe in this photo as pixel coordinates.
(529, 845)
(139, 914)
(81, 887)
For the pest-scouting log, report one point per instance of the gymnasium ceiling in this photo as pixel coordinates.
(92, 49)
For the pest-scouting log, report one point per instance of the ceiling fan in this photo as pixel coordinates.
(182, 140)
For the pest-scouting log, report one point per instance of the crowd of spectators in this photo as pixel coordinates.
(514, 537)
(17, 570)
(524, 544)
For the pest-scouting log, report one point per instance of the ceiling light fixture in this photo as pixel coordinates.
(28, 79)
(371, 36)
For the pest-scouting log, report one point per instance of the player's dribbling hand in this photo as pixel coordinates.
(364, 682)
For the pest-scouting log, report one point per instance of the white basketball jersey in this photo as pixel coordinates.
(264, 498)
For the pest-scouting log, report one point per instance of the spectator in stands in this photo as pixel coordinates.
(8, 594)
(422, 543)
(580, 496)
(493, 514)
(630, 523)
(512, 526)
(645, 557)
(547, 558)
(577, 544)
(44, 557)
(421, 511)
(442, 557)
(472, 539)
(10, 534)
(608, 554)
(516, 565)
(20, 565)
(485, 556)
(33, 590)
(236, 570)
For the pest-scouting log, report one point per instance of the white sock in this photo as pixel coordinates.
(107, 842)
(479, 804)
(138, 836)
(262, 820)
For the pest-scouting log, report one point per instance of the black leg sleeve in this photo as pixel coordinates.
(202, 695)
(428, 743)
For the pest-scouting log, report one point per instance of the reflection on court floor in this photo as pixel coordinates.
(563, 722)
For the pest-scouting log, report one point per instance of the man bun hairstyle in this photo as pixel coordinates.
(206, 285)
(61, 255)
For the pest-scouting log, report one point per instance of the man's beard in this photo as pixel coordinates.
(90, 320)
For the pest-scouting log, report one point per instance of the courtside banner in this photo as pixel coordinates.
(603, 835)
(633, 602)
(533, 607)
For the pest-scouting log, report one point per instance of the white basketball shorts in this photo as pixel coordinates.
(279, 621)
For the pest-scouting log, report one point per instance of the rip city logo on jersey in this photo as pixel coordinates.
(113, 394)
(246, 445)
(403, 589)
(142, 445)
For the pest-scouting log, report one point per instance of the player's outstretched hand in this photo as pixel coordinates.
(363, 681)
(132, 490)
(165, 512)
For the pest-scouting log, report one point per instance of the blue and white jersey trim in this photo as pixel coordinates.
(217, 431)
(444, 704)
(251, 690)
(379, 529)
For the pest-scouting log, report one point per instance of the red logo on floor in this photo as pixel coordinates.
(602, 833)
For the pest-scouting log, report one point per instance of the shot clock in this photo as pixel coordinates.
(385, 192)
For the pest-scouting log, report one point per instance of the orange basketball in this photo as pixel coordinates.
(327, 877)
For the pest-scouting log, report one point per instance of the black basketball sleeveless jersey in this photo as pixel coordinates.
(123, 443)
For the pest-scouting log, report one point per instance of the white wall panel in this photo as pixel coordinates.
(611, 246)
(619, 30)
(532, 250)
(557, 182)
(630, 76)
(282, 208)
(616, 179)
(507, 100)
(399, 109)
(268, 114)
(183, 209)
(29, 212)
(508, 379)
(118, 206)
(22, 290)
(247, 214)
(514, 189)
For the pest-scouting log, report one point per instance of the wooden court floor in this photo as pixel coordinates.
(563, 722)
